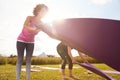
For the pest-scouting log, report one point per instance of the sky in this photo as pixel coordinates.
(14, 12)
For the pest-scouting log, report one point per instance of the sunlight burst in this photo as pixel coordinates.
(49, 18)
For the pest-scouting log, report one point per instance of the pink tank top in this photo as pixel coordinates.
(27, 35)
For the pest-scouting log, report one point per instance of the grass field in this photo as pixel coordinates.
(7, 72)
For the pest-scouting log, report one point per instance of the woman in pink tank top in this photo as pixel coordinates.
(26, 38)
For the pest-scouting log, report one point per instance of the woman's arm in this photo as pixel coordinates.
(27, 24)
(80, 54)
(50, 31)
(70, 54)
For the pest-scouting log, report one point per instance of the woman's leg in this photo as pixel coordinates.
(62, 51)
(29, 52)
(20, 52)
(63, 64)
(70, 65)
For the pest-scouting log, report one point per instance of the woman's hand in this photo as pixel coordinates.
(74, 61)
(84, 60)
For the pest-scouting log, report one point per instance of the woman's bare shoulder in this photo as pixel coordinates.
(29, 17)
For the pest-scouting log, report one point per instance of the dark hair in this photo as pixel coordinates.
(38, 8)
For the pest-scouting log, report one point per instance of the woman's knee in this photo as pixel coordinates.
(20, 60)
(63, 64)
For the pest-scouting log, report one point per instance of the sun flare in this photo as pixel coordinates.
(49, 18)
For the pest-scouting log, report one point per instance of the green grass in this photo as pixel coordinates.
(7, 72)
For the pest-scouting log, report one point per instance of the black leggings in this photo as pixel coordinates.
(65, 58)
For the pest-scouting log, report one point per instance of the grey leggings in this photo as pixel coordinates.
(21, 46)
